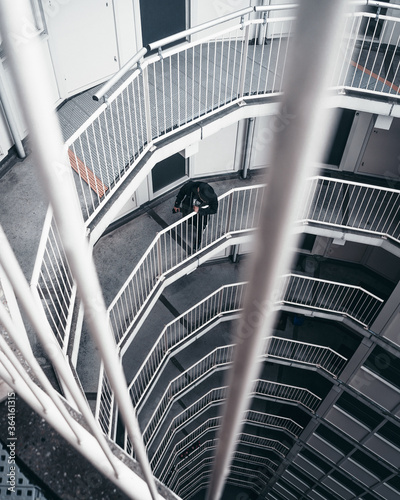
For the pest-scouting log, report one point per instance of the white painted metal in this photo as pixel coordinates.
(317, 294)
(10, 114)
(52, 282)
(217, 396)
(222, 357)
(26, 352)
(293, 152)
(129, 482)
(33, 88)
(186, 446)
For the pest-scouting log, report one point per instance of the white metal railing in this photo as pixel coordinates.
(244, 439)
(239, 457)
(241, 483)
(351, 205)
(52, 281)
(194, 478)
(207, 447)
(251, 417)
(221, 357)
(255, 460)
(263, 388)
(302, 352)
(312, 293)
(367, 58)
(172, 90)
(323, 295)
(317, 294)
(330, 202)
(184, 447)
(238, 212)
(179, 86)
(178, 333)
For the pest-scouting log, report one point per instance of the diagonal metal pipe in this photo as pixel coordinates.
(293, 152)
(34, 90)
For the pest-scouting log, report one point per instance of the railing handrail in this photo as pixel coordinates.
(375, 3)
(213, 422)
(347, 285)
(166, 230)
(224, 195)
(282, 339)
(179, 36)
(112, 161)
(215, 22)
(162, 357)
(353, 183)
(208, 400)
(167, 398)
(201, 27)
(185, 482)
(177, 320)
(119, 74)
(42, 246)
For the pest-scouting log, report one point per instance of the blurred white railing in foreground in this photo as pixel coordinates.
(263, 388)
(52, 282)
(330, 202)
(180, 86)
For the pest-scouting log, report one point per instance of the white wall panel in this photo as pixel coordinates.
(265, 130)
(207, 10)
(127, 22)
(374, 163)
(82, 42)
(216, 153)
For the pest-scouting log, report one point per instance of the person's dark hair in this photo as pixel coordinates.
(206, 192)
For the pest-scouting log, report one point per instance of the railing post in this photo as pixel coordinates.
(229, 213)
(244, 62)
(146, 95)
(159, 258)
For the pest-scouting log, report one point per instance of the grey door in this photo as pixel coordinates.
(161, 18)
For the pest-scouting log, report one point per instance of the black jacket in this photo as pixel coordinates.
(188, 193)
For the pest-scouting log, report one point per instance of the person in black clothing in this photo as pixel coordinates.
(196, 197)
